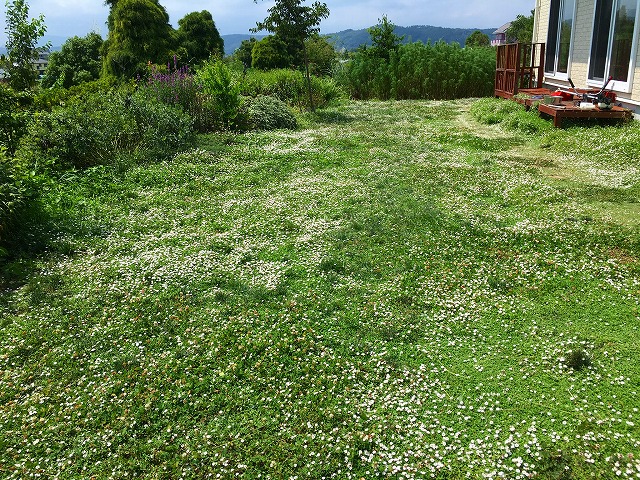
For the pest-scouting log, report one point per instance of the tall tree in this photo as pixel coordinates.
(294, 23)
(521, 29)
(139, 33)
(384, 39)
(198, 35)
(244, 52)
(477, 39)
(22, 40)
(269, 53)
(77, 61)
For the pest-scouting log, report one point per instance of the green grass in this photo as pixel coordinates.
(393, 291)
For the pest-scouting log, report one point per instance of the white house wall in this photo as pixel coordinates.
(581, 48)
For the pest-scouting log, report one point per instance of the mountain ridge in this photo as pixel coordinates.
(349, 39)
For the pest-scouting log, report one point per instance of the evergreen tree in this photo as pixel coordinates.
(139, 33)
(198, 36)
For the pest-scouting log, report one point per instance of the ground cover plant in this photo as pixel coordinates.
(394, 290)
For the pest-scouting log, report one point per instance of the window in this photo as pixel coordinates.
(559, 37)
(613, 42)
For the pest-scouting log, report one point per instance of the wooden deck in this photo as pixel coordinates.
(519, 75)
(566, 109)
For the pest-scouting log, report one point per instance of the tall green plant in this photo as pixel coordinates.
(219, 82)
(22, 37)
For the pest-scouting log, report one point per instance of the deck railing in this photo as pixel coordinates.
(518, 65)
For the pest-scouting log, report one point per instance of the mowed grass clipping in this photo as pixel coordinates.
(393, 291)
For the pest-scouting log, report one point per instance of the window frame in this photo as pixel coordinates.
(554, 73)
(617, 85)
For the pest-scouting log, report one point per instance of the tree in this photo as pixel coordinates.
(322, 55)
(384, 39)
(244, 52)
(521, 29)
(78, 61)
(22, 38)
(139, 33)
(294, 23)
(477, 39)
(198, 35)
(270, 52)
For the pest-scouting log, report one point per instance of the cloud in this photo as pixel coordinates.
(79, 17)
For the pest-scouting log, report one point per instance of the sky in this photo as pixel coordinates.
(66, 18)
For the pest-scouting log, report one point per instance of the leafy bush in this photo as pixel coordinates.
(420, 71)
(14, 117)
(95, 129)
(510, 115)
(221, 85)
(12, 190)
(290, 87)
(269, 113)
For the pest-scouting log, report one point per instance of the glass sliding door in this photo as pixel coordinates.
(614, 42)
(559, 37)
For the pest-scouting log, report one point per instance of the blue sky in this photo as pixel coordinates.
(65, 18)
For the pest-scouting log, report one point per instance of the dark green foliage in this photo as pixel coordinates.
(12, 190)
(139, 33)
(477, 39)
(289, 86)
(269, 113)
(14, 115)
(98, 128)
(198, 36)
(322, 55)
(22, 37)
(269, 53)
(221, 85)
(244, 53)
(521, 29)
(420, 71)
(293, 23)
(383, 39)
(77, 62)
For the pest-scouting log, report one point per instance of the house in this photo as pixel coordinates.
(589, 41)
(500, 35)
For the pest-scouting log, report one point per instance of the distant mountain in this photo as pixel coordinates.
(233, 41)
(352, 39)
(346, 39)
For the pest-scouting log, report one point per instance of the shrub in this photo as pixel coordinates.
(290, 87)
(12, 190)
(14, 117)
(221, 85)
(493, 110)
(269, 113)
(95, 129)
(436, 71)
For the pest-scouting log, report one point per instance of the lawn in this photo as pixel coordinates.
(392, 291)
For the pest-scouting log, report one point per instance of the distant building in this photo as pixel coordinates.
(500, 35)
(40, 63)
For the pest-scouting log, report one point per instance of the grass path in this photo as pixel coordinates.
(393, 291)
